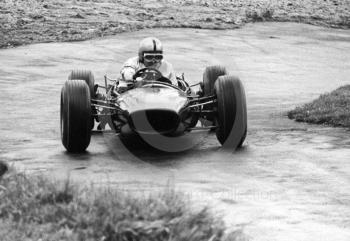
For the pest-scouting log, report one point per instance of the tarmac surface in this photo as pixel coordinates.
(290, 181)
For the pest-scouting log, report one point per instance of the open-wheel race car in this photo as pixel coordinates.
(152, 106)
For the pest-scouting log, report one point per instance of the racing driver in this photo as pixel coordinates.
(150, 55)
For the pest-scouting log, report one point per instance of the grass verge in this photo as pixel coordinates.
(35, 208)
(329, 109)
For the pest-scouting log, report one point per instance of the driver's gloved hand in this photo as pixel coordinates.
(128, 75)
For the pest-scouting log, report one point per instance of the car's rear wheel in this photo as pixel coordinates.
(76, 115)
(89, 78)
(85, 75)
(231, 111)
(210, 75)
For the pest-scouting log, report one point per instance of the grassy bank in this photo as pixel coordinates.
(35, 208)
(32, 21)
(329, 109)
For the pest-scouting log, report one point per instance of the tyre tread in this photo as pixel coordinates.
(230, 93)
(76, 114)
(210, 75)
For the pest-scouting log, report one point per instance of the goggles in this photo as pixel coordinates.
(153, 57)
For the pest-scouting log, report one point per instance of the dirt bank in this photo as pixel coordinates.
(33, 21)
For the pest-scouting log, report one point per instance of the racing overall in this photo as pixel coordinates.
(132, 65)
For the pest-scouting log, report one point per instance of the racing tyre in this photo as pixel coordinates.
(87, 76)
(210, 75)
(231, 112)
(76, 116)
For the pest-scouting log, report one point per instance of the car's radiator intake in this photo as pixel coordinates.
(154, 121)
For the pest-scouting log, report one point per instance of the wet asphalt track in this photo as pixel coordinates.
(291, 181)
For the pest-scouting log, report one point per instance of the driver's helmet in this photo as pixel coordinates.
(150, 50)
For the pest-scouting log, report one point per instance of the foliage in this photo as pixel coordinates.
(330, 109)
(35, 208)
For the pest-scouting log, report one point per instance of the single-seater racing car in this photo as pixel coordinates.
(151, 106)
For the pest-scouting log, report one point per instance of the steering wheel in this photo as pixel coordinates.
(151, 74)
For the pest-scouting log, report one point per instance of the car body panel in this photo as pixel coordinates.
(144, 98)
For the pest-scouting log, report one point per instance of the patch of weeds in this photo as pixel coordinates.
(344, 21)
(259, 15)
(329, 109)
(33, 208)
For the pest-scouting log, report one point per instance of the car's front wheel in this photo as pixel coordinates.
(75, 115)
(231, 111)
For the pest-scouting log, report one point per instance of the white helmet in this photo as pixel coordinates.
(150, 45)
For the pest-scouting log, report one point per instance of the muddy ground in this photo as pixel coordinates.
(33, 21)
(289, 182)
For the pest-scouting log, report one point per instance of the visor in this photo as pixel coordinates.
(153, 57)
